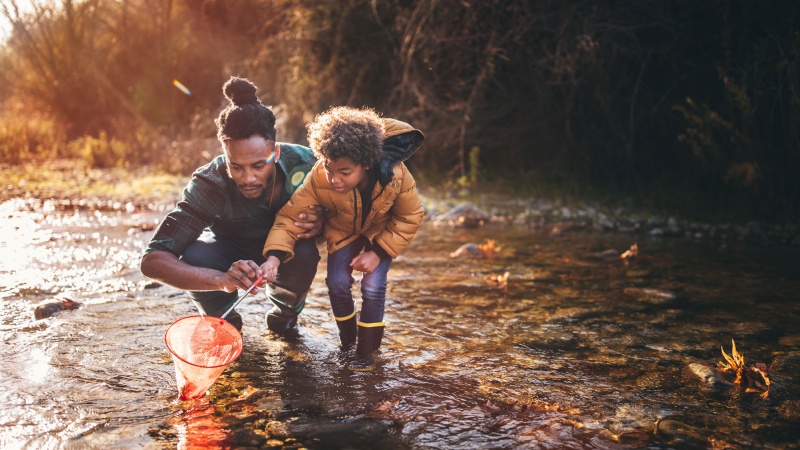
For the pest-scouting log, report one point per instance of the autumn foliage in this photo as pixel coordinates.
(663, 101)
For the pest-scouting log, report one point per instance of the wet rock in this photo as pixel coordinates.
(632, 418)
(561, 343)
(152, 285)
(464, 215)
(339, 433)
(277, 429)
(272, 444)
(790, 341)
(246, 437)
(639, 273)
(790, 410)
(708, 376)
(680, 433)
(53, 307)
(231, 421)
(636, 439)
(546, 277)
(468, 250)
(607, 255)
(649, 295)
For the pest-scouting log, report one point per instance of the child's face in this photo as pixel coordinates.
(345, 175)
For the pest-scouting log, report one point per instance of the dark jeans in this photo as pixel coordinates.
(288, 292)
(340, 281)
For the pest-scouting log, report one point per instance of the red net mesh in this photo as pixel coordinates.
(201, 347)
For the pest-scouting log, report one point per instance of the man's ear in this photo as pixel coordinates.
(277, 152)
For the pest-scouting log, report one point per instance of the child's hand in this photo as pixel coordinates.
(270, 269)
(365, 262)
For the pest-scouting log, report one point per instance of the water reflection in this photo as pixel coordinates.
(574, 350)
(199, 428)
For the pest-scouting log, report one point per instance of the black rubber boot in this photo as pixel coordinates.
(282, 318)
(347, 331)
(369, 340)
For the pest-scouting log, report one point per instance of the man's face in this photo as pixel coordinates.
(345, 175)
(251, 163)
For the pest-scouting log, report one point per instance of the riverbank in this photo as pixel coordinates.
(71, 184)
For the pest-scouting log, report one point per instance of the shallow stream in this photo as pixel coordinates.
(577, 349)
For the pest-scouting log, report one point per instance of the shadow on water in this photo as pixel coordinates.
(577, 350)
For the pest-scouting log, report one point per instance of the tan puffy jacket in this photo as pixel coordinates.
(393, 219)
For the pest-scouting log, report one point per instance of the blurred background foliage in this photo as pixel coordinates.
(684, 105)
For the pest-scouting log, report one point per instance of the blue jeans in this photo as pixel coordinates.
(287, 292)
(340, 281)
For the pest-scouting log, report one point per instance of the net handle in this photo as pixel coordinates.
(236, 303)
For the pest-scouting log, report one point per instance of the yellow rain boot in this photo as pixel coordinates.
(347, 331)
(370, 336)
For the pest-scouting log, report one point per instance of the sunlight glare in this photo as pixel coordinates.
(181, 87)
(39, 366)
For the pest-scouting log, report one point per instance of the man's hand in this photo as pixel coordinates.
(310, 221)
(365, 262)
(241, 276)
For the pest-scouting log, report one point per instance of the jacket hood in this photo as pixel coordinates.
(400, 141)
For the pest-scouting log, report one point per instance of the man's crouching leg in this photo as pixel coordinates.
(288, 292)
(212, 253)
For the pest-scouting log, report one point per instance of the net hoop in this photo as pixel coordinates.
(173, 353)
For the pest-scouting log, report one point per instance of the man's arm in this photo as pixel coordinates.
(167, 268)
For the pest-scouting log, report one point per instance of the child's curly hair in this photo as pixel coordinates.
(348, 132)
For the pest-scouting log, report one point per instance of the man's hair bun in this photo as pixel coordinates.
(240, 91)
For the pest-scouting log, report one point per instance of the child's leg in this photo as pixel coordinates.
(339, 282)
(371, 325)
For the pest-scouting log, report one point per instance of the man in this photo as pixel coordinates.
(210, 244)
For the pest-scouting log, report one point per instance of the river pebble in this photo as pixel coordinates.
(790, 410)
(336, 434)
(708, 376)
(245, 437)
(556, 219)
(679, 433)
(50, 308)
(650, 295)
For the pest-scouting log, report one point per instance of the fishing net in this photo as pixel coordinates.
(201, 347)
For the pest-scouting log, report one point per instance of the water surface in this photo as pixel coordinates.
(576, 351)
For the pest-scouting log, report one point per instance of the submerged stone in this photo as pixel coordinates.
(468, 250)
(246, 437)
(680, 433)
(649, 295)
(790, 411)
(338, 433)
(51, 308)
(708, 376)
(465, 215)
(607, 255)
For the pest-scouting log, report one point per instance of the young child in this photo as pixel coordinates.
(372, 211)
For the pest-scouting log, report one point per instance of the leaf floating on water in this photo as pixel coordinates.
(753, 379)
(488, 249)
(631, 254)
(500, 281)
(387, 405)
